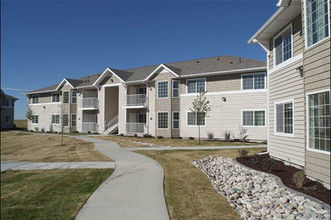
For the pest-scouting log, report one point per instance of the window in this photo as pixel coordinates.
(55, 119)
(74, 97)
(283, 46)
(142, 117)
(73, 120)
(9, 119)
(55, 97)
(317, 21)
(162, 91)
(35, 99)
(253, 81)
(65, 120)
(142, 91)
(319, 121)
(193, 120)
(284, 118)
(65, 97)
(254, 118)
(196, 85)
(34, 119)
(162, 120)
(175, 120)
(175, 88)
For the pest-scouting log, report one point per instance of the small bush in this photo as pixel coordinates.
(268, 163)
(42, 130)
(121, 134)
(227, 135)
(243, 152)
(160, 137)
(135, 135)
(210, 136)
(191, 138)
(299, 179)
(37, 129)
(147, 136)
(76, 132)
(89, 132)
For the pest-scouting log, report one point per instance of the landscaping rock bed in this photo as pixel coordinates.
(147, 144)
(256, 195)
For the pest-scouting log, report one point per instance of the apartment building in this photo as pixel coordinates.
(156, 100)
(7, 110)
(297, 42)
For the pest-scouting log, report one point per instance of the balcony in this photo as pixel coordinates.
(135, 128)
(90, 103)
(90, 127)
(136, 101)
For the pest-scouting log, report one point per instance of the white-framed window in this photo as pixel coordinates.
(253, 81)
(34, 119)
(65, 97)
(196, 85)
(283, 47)
(65, 120)
(317, 21)
(284, 122)
(318, 121)
(55, 97)
(73, 96)
(9, 119)
(175, 88)
(253, 118)
(193, 119)
(162, 89)
(162, 120)
(55, 119)
(175, 120)
(73, 120)
(35, 99)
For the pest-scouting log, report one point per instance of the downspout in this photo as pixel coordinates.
(268, 89)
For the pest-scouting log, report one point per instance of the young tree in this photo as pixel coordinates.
(62, 109)
(200, 108)
(29, 113)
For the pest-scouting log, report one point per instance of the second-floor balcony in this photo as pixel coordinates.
(136, 101)
(90, 103)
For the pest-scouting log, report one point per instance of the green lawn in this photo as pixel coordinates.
(51, 194)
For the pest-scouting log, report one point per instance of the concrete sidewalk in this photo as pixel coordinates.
(54, 165)
(133, 191)
(197, 148)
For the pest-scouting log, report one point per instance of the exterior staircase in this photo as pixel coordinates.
(111, 126)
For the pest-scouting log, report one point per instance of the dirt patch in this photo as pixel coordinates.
(285, 173)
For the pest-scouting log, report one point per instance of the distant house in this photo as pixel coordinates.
(297, 42)
(7, 111)
(156, 100)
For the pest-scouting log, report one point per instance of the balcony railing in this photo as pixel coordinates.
(135, 128)
(91, 127)
(90, 103)
(136, 100)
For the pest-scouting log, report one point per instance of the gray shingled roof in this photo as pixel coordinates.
(189, 67)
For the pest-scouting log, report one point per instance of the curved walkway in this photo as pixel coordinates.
(133, 191)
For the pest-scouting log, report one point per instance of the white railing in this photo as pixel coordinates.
(136, 100)
(90, 103)
(91, 127)
(135, 128)
(111, 123)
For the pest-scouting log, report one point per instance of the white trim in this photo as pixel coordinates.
(253, 110)
(64, 80)
(68, 97)
(306, 27)
(160, 66)
(34, 96)
(195, 79)
(275, 118)
(55, 93)
(194, 126)
(52, 119)
(46, 103)
(307, 120)
(71, 120)
(290, 26)
(32, 120)
(157, 89)
(157, 124)
(172, 120)
(103, 74)
(256, 69)
(71, 92)
(253, 74)
(90, 86)
(111, 85)
(37, 92)
(287, 63)
(172, 88)
(226, 93)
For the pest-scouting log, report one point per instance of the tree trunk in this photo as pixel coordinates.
(199, 133)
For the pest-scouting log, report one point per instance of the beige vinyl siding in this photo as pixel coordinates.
(43, 98)
(287, 84)
(111, 80)
(317, 77)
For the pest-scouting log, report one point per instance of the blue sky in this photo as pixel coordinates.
(44, 41)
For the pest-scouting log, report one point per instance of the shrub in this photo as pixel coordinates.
(242, 136)
(227, 135)
(147, 136)
(89, 132)
(243, 152)
(37, 129)
(210, 135)
(256, 159)
(268, 163)
(42, 130)
(191, 138)
(121, 134)
(76, 132)
(135, 135)
(298, 179)
(160, 137)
